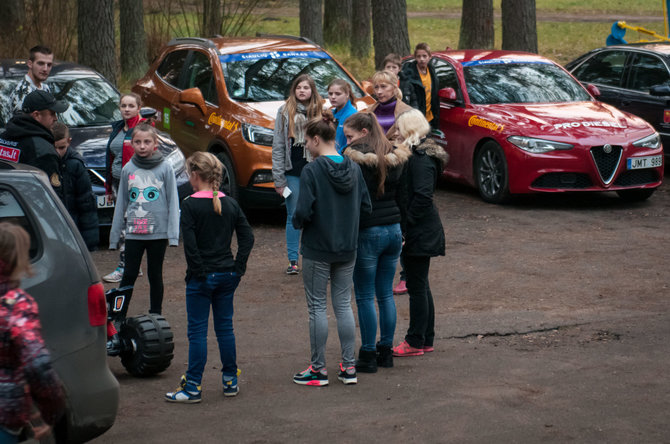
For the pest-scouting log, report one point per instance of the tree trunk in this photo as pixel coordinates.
(212, 18)
(337, 22)
(311, 22)
(13, 23)
(360, 32)
(477, 25)
(133, 39)
(95, 41)
(389, 29)
(519, 27)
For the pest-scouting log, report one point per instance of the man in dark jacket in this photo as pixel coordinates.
(28, 138)
(419, 85)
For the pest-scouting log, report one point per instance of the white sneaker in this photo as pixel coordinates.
(114, 276)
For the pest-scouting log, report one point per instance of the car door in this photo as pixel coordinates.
(646, 71)
(190, 125)
(606, 70)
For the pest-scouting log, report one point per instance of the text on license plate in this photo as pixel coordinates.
(105, 202)
(637, 163)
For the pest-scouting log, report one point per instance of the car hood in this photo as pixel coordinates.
(591, 122)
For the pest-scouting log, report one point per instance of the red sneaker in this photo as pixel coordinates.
(404, 349)
(401, 288)
(428, 348)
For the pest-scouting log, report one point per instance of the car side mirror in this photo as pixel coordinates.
(660, 90)
(194, 97)
(147, 112)
(593, 90)
(447, 94)
(367, 87)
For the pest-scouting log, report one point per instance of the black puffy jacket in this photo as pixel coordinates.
(414, 94)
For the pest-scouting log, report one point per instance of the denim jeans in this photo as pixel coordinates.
(292, 234)
(217, 290)
(376, 260)
(315, 279)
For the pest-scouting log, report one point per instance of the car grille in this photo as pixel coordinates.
(607, 163)
(563, 181)
(636, 177)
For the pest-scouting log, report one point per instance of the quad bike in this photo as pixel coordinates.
(144, 342)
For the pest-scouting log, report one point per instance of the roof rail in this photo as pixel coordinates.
(193, 40)
(287, 36)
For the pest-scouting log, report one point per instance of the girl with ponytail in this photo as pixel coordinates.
(208, 220)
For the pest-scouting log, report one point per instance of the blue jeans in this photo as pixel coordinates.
(378, 251)
(217, 290)
(292, 234)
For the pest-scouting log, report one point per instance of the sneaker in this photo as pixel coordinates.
(428, 348)
(401, 288)
(311, 377)
(187, 392)
(230, 387)
(114, 276)
(404, 349)
(140, 274)
(347, 375)
(292, 268)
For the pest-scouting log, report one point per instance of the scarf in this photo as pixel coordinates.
(299, 123)
(148, 163)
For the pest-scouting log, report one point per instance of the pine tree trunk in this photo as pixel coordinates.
(360, 32)
(477, 25)
(12, 22)
(337, 22)
(519, 27)
(212, 18)
(311, 23)
(389, 29)
(133, 39)
(95, 29)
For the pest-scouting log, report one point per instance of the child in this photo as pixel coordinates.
(79, 199)
(289, 155)
(419, 85)
(148, 205)
(208, 220)
(26, 374)
(392, 62)
(332, 196)
(341, 98)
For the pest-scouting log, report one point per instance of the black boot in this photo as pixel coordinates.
(367, 361)
(384, 356)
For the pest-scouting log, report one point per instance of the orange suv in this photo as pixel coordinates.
(222, 95)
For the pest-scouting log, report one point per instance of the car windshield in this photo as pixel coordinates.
(93, 101)
(263, 77)
(489, 83)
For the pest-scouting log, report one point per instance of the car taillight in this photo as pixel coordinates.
(97, 305)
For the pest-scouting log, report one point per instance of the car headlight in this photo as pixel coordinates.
(257, 134)
(537, 146)
(177, 161)
(651, 141)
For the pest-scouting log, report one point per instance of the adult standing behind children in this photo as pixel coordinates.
(419, 85)
(79, 199)
(289, 154)
(341, 97)
(380, 236)
(423, 232)
(26, 375)
(40, 62)
(208, 220)
(332, 197)
(389, 103)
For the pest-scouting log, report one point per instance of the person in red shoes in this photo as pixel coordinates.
(422, 229)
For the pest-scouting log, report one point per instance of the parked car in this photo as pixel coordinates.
(71, 301)
(94, 105)
(517, 123)
(222, 95)
(634, 78)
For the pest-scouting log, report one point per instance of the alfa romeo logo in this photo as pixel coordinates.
(607, 148)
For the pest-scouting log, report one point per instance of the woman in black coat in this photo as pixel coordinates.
(422, 229)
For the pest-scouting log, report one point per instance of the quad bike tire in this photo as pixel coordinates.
(151, 345)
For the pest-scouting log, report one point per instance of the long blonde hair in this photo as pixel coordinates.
(412, 126)
(209, 169)
(314, 107)
(14, 258)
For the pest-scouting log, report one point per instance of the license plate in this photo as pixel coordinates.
(638, 163)
(105, 202)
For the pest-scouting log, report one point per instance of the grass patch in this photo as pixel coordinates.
(623, 7)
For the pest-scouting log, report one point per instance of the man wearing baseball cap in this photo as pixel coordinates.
(28, 138)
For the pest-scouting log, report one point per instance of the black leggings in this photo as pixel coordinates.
(421, 331)
(155, 249)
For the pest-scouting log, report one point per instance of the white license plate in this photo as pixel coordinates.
(105, 202)
(638, 163)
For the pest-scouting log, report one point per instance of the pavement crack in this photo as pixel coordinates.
(516, 333)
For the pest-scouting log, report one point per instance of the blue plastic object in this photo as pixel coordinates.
(616, 37)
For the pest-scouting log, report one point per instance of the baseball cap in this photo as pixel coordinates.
(40, 100)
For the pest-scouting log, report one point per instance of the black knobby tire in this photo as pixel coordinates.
(638, 195)
(491, 173)
(152, 344)
(228, 179)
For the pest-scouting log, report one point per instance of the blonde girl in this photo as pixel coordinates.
(389, 103)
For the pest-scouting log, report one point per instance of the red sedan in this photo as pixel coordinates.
(518, 123)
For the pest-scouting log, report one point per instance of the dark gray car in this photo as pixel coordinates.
(71, 301)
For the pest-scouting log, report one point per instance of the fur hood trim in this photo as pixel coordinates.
(398, 156)
(432, 149)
